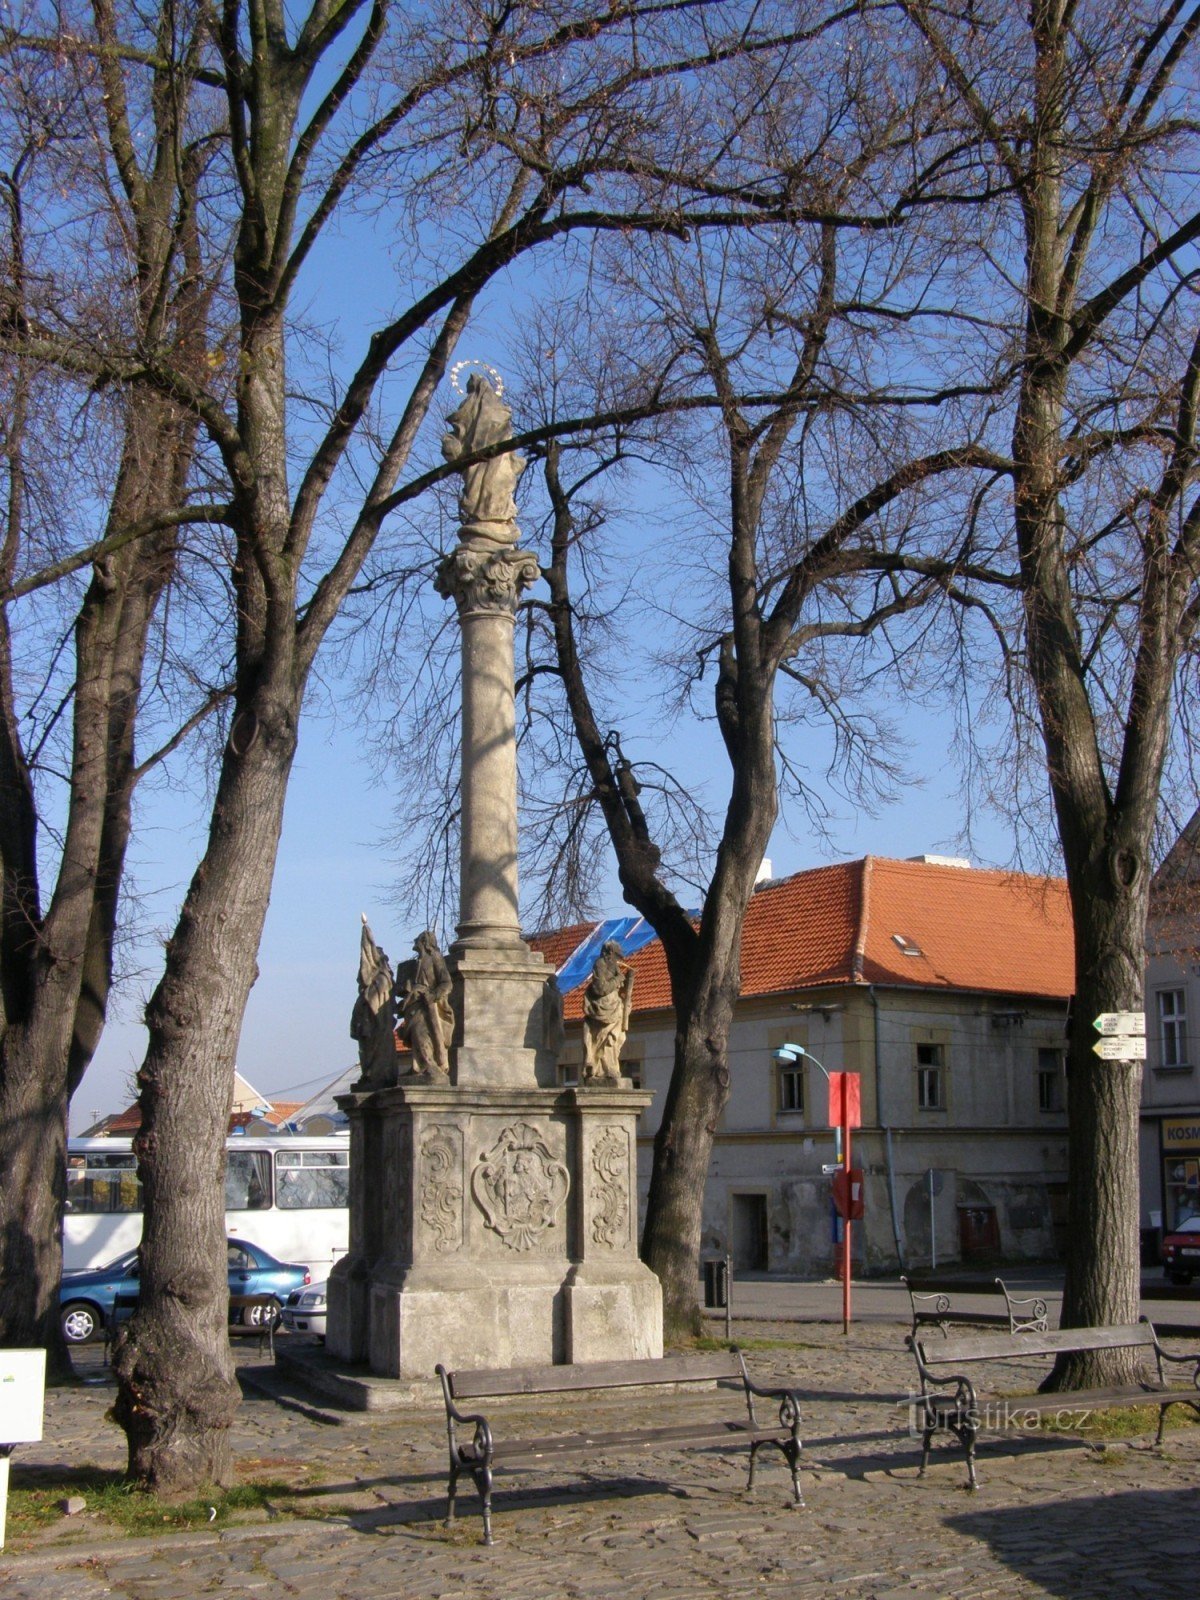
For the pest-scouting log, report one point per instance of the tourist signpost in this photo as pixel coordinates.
(1122, 1036)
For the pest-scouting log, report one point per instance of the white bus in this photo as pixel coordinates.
(288, 1193)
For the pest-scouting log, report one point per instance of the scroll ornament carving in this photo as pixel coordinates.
(486, 579)
(520, 1186)
(610, 1179)
(441, 1191)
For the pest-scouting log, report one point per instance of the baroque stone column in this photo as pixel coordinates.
(504, 1020)
(485, 583)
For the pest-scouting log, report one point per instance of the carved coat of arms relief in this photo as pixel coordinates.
(520, 1186)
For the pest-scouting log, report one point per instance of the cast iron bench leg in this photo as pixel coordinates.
(927, 1440)
(483, 1482)
(791, 1450)
(451, 1492)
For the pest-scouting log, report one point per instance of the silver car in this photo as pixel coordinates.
(305, 1311)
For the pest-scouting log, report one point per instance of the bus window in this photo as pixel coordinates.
(103, 1182)
(248, 1180)
(308, 1180)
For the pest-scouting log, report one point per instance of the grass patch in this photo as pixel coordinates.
(1083, 1421)
(114, 1505)
(1125, 1422)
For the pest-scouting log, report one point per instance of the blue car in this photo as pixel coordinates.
(87, 1298)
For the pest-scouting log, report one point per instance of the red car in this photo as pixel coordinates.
(1181, 1251)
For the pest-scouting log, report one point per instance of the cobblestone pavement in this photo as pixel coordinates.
(1051, 1518)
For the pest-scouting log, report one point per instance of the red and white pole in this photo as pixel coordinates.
(847, 1169)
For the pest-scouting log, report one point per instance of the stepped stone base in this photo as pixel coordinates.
(492, 1227)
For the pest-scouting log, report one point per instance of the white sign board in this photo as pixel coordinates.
(22, 1387)
(1122, 1048)
(1110, 1022)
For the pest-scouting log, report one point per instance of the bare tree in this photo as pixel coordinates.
(781, 331)
(1079, 118)
(139, 266)
(810, 404)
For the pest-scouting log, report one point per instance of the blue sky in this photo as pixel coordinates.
(333, 866)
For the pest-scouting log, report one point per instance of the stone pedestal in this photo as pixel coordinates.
(493, 1227)
(505, 1025)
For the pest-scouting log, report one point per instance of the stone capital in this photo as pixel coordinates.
(489, 579)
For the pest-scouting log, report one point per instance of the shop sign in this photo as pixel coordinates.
(1181, 1133)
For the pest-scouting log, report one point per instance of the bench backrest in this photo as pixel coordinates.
(916, 1284)
(1056, 1341)
(476, 1383)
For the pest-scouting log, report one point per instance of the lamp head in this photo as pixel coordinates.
(790, 1053)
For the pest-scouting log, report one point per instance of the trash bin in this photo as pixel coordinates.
(715, 1290)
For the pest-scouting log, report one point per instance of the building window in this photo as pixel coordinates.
(1050, 1080)
(931, 1083)
(1172, 1026)
(790, 1079)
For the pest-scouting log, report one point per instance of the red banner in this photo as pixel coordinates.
(845, 1100)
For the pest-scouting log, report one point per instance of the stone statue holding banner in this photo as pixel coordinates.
(485, 501)
(607, 1002)
(373, 1020)
(426, 1017)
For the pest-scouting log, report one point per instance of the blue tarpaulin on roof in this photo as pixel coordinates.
(631, 933)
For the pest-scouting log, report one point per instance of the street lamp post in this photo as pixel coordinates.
(844, 1114)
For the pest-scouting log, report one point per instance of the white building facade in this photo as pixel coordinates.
(946, 989)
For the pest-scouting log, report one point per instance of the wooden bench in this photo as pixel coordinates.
(949, 1398)
(488, 1449)
(263, 1312)
(1021, 1314)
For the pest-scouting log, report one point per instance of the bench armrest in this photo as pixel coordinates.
(787, 1399)
(1035, 1322)
(482, 1440)
(933, 1381)
(937, 1312)
(1187, 1358)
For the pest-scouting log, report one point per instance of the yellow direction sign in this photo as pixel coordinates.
(1125, 1047)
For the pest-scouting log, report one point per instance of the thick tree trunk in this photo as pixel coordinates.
(1103, 1275)
(33, 1166)
(177, 1394)
(57, 969)
(697, 1095)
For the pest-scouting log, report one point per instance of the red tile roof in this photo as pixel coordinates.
(911, 923)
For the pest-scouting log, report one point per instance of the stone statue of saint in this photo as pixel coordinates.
(485, 502)
(607, 1001)
(426, 1018)
(373, 1020)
